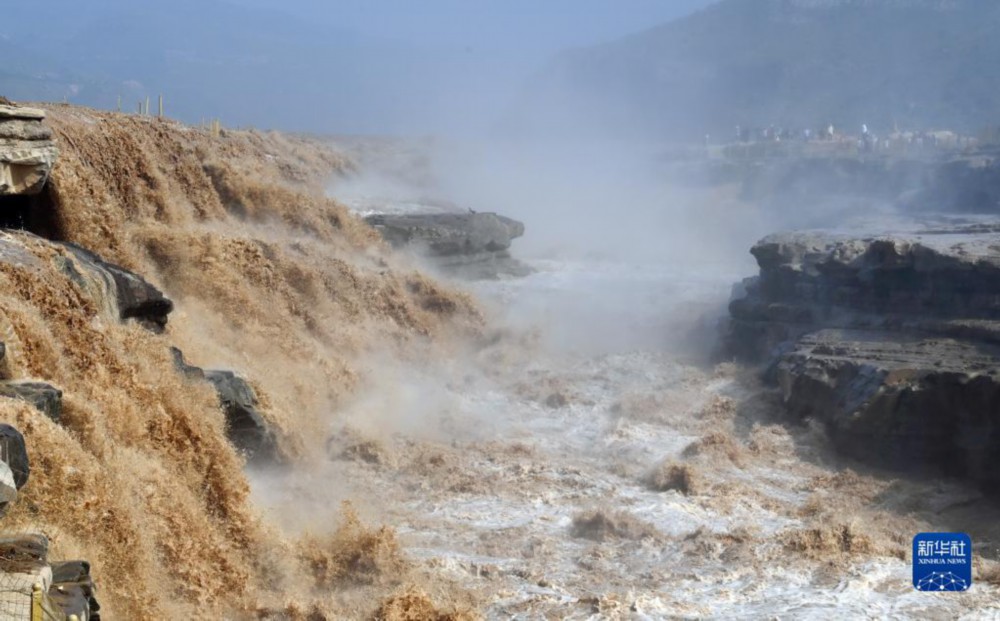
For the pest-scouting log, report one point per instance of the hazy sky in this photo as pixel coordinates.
(351, 66)
(489, 47)
(519, 26)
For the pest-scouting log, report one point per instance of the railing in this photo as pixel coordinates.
(42, 608)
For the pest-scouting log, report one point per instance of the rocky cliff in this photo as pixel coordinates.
(27, 151)
(892, 341)
(470, 244)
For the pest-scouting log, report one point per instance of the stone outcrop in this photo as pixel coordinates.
(969, 184)
(14, 453)
(246, 428)
(892, 341)
(27, 152)
(134, 297)
(12, 449)
(60, 589)
(46, 398)
(447, 234)
(825, 190)
(473, 244)
(122, 294)
(73, 590)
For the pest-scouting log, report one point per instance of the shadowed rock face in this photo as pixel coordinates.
(73, 590)
(115, 289)
(892, 341)
(46, 398)
(245, 426)
(27, 152)
(135, 298)
(14, 453)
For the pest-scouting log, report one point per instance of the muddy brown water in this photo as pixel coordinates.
(526, 475)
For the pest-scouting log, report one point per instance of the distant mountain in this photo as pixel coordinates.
(214, 59)
(791, 63)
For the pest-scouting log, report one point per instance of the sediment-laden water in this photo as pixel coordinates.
(599, 470)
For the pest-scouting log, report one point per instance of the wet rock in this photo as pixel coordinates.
(73, 590)
(45, 397)
(904, 402)
(937, 279)
(135, 298)
(188, 370)
(14, 453)
(245, 427)
(8, 488)
(24, 553)
(447, 234)
(472, 245)
(27, 152)
(892, 341)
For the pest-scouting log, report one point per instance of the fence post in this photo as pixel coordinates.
(36, 602)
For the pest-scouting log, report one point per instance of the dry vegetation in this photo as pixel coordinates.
(270, 278)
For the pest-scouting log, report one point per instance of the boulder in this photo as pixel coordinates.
(122, 294)
(14, 453)
(891, 340)
(448, 234)
(73, 590)
(8, 488)
(246, 428)
(134, 298)
(46, 398)
(473, 245)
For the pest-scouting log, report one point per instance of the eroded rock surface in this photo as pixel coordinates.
(892, 341)
(46, 398)
(134, 298)
(14, 453)
(122, 294)
(27, 152)
(246, 428)
(447, 234)
(73, 590)
(473, 244)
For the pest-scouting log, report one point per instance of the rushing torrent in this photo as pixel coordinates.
(443, 454)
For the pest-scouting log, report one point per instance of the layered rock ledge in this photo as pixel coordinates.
(892, 341)
(473, 244)
(27, 152)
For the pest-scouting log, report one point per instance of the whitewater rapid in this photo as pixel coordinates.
(507, 455)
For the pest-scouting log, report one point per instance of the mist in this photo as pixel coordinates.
(565, 309)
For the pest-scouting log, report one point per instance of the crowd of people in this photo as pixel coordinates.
(866, 141)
